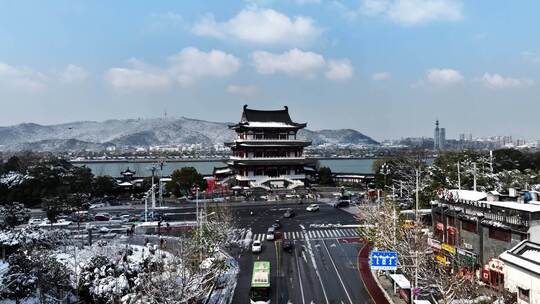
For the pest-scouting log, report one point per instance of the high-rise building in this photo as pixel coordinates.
(442, 138)
(436, 136)
(439, 138)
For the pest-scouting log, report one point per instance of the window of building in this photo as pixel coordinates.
(523, 294)
(468, 226)
(500, 234)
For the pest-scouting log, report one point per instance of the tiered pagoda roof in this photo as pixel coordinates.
(273, 119)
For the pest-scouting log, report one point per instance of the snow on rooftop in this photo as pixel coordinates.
(517, 206)
(523, 258)
(469, 195)
(269, 124)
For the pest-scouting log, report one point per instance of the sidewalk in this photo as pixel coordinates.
(369, 281)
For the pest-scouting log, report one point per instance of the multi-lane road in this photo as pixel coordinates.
(321, 268)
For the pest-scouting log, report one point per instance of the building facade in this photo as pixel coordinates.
(266, 152)
(522, 271)
(477, 227)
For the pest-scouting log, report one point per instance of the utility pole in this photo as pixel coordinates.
(491, 160)
(161, 163)
(474, 176)
(415, 238)
(153, 188)
(458, 176)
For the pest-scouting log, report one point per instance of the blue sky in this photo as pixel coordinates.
(387, 68)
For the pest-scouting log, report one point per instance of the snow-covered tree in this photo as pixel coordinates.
(35, 273)
(387, 230)
(14, 214)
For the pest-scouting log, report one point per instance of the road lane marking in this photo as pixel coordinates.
(278, 259)
(312, 257)
(337, 272)
(298, 273)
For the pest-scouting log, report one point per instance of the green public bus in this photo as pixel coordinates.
(259, 292)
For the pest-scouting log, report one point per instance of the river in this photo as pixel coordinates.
(205, 167)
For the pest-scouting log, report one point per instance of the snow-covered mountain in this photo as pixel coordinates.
(92, 135)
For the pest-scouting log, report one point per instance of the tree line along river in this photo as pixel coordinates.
(205, 167)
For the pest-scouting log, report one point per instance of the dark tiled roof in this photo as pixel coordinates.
(250, 115)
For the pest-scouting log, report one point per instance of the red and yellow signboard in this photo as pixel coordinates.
(448, 248)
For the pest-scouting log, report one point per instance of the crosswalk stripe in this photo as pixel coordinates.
(351, 232)
(311, 234)
(346, 232)
(334, 234)
(320, 234)
(296, 235)
(326, 234)
(354, 232)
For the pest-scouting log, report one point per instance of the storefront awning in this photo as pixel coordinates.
(401, 281)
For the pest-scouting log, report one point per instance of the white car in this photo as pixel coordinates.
(312, 207)
(34, 221)
(270, 234)
(256, 247)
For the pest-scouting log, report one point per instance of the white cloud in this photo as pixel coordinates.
(191, 64)
(298, 63)
(21, 78)
(260, 26)
(443, 77)
(380, 76)
(294, 62)
(496, 81)
(125, 78)
(73, 73)
(339, 69)
(184, 68)
(242, 90)
(410, 12)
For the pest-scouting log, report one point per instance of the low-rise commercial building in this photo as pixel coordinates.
(474, 228)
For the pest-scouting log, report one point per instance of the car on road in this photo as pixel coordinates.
(312, 208)
(125, 218)
(287, 245)
(341, 203)
(270, 234)
(34, 221)
(289, 213)
(256, 247)
(102, 217)
(98, 205)
(276, 224)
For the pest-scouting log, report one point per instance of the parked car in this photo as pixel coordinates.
(256, 247)
(289, 213)
(287, 245)
(270, 234)
(276, 224)
(312, 208)
(102, 217)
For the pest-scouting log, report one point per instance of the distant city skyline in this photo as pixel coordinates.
(387, 68)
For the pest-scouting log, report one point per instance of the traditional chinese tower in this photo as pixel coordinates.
(266, 152)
